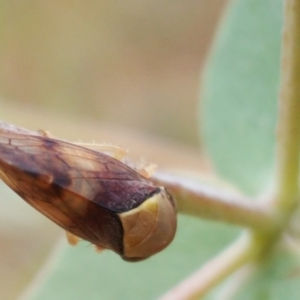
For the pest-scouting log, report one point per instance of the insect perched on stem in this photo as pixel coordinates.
(91, 195)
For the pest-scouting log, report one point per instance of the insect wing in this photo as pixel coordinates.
(89, 194)
(79, 189)
(84, 172)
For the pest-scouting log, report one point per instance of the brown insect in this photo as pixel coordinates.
(91, 195)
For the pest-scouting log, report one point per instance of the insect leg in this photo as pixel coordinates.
(147, 171)
(45, 133)
(73, 239)
(99, 249)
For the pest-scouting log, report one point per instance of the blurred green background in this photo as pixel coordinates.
(126, 72)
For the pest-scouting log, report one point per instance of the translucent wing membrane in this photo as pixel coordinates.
(84, 172)
(83, 191)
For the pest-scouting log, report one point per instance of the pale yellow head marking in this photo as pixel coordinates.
(150, 227)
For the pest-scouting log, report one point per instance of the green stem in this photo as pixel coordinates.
(286, 192)
(213, 272)
(200, 200)
(288, 136)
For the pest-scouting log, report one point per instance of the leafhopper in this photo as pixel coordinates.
(91, 195)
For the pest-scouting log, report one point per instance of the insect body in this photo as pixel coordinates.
(89, 194)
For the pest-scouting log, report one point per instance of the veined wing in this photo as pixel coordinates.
(64, 166)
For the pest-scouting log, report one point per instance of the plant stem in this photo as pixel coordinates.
(236, 282)
(288, 136)
(200, 200)
(213, 272)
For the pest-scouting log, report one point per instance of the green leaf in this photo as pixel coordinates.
(81, 273)
(277, 280)
(240, 94)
